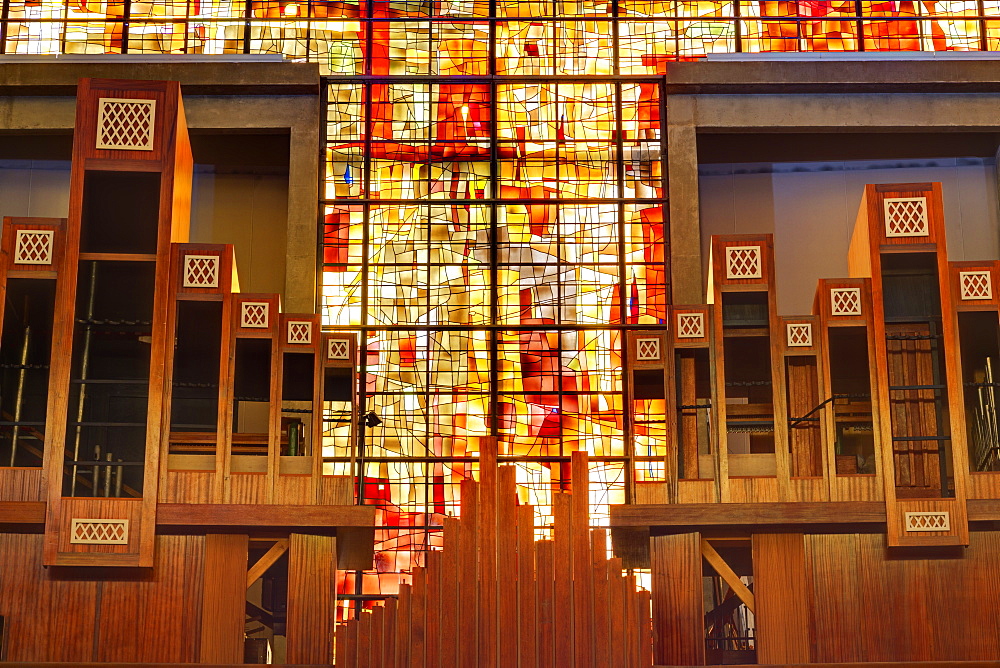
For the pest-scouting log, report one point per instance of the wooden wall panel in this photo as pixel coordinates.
(696, 491)
(21, 484)
(678, 606)
(152, 616)
(187, 487)
(894, 586)
(809, 489)
(155, 618)
(753, 490)
(311, 598)
(224, 595)
(247, 488)
(836, 625)
(336, 490)
(984, 485)
(858, 487)
(47, 619)
(782, 594)
(293, 489)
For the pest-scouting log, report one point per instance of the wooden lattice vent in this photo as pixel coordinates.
(494, 596)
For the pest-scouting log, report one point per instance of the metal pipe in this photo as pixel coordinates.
(107, 476)
(119, 470)
(84, 364)
(20, 391)
(96, 481)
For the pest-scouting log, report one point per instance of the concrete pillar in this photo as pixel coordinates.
(682, 193)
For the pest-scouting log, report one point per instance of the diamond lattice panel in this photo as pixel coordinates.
(799, 334)
(845, 301)
(124, 124)
(975, 284)
(743, 262)
(690, 325)
(33, 247)
(647, 350)
(906, 217)
(255, 314)
(338, 349)
(99, 532)
(928, 521)
(299, 331)
(201, 271)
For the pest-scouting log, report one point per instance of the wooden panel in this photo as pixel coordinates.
(336, 490)
(187, 487)
(21, 484)
(155, 618)
(678, 607)
(293, 489)
(248, 488)
(696, 491)
(836, 624)
(224, 598)
(984, 485)
(46, 619)
(748, 514)
(88, 508)
(235, 515)
(857, 488)
(782, 593)
(750, 490)
(311, 598)
(809, 489)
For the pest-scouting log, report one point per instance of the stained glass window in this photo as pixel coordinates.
(519, 37)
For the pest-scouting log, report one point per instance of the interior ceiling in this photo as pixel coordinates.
(815, 146)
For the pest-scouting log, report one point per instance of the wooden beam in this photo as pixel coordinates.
(275, 515)
(727, 574)
(22, 512)
(268, 560)
(748, 514)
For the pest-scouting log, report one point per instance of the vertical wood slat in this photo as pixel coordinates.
(450, 639)
(312, 594)
(582, 565)
(616, 610)
(364, 638)
(545, 587)
(403, 627)
(526, 589)
(678, 607)
(487, 553)
(432, 607)
(418, 617)
(389, 633)
(602, 628)
(378, 620)
(351, 646)
(782, 598)
(224, 598)
(562, 568)
(507, 580)
(468, 576)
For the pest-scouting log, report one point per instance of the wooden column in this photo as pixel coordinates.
(224, 598)
(782, 593)
(312, 590)
(678, 605)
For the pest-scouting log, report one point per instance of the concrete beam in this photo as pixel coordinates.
(854, 112)
(682, 199)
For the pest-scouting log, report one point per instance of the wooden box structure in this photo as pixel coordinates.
(841, 440)
(155, 419)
